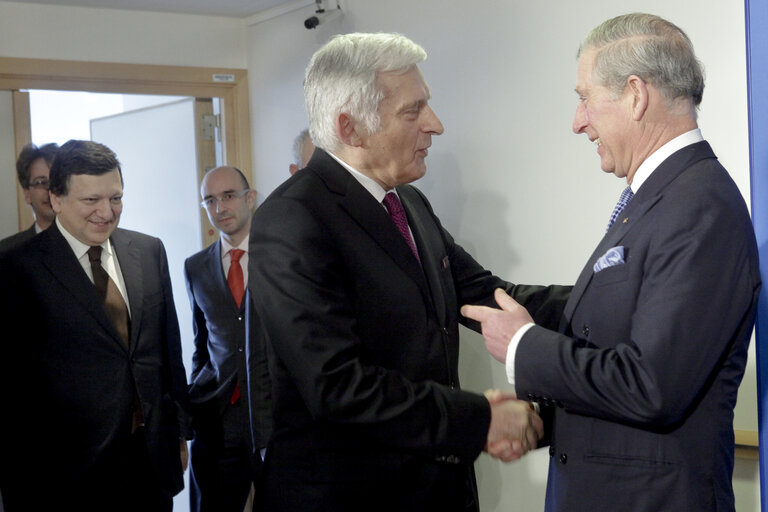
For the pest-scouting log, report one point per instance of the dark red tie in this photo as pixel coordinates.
(396, 211)
(235, 278)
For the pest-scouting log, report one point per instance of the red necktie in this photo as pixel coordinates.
(236, 284)
(396, 211)
(235, 278)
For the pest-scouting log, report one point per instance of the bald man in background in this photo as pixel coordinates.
(226, 459)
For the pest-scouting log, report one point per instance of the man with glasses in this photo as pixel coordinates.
(32, 169)
(226, 460)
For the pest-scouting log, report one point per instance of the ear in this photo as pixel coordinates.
(293, 168)
(251, 197)
(55, 203)
(346, 129)
(639, 96)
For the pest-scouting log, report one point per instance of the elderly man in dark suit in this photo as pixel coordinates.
(641, 378)
(358, 287)
(225, 459)
(32, 169)
(95, 388)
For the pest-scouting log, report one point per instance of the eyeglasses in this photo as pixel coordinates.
(225, 199)
(40, 183)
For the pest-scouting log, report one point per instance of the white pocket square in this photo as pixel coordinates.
(612, 257)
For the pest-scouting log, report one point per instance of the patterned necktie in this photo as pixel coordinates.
(626, 197)
(235, 278)
(396, 211)
(115, 306)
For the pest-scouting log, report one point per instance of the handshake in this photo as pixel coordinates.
(515, 427)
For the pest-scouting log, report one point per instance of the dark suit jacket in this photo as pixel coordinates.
(364, 348)
(8, 243)
(219, 360)
(68, 380)
(645, 370)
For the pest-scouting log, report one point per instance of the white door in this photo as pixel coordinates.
(157, 151)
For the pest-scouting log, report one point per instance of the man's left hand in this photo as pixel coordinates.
(499, 326)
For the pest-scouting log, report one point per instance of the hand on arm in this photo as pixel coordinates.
(515, 427)
(499, 326)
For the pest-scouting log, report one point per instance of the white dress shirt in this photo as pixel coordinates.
(109, 261)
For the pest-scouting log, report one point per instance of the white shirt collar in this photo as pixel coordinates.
(657, 157)
(78, 247)
(226, 246)
(369, 184)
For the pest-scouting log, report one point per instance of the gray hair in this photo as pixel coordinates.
(341, 78)
(650, 47)
(299, 143)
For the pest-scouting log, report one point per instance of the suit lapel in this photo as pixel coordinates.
(214, 268)
(646, 198)
(129, 258)
(369, 214)
(58, 258)
(430, 245)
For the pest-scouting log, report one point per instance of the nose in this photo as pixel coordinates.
(104, 209)
(580, 119)
(432, 122)
(219, 205)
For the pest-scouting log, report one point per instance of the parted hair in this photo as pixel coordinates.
(81, 157)
(30, 153)
(656, 50)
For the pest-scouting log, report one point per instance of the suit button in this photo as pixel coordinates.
(585, 331)
(563, 458)
(239, 349)
(240, 319)
(531, 397)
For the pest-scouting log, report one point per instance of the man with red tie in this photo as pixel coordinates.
(226, 458)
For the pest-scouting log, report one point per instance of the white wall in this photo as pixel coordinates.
(508, 178)
(9, 216)
(109, 35)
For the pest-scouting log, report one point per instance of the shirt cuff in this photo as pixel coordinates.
(512, 350)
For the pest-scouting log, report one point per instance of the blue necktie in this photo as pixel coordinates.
(626, 197)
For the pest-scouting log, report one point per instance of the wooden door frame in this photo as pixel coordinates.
(231, 85)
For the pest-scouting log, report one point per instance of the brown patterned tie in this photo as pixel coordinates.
(115, 306)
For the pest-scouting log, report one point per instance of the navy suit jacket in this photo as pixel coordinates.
(644, 372)
(219, 326)
(364, 348)
(68, 378)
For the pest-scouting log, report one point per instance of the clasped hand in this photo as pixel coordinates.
(515, 427)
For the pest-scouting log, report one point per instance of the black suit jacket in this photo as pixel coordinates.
(8, 243)
(645, 370)
(68, 380)
(219, 360)
(364, 348)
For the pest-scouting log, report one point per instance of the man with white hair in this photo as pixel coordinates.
(358, 288)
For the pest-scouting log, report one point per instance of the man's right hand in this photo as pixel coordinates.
(515, 427)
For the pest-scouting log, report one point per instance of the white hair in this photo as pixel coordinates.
(341, 78)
